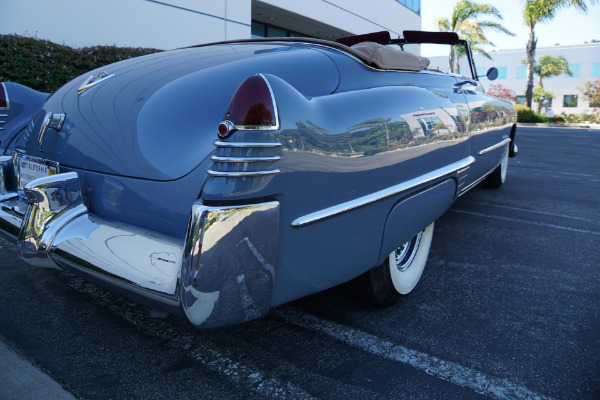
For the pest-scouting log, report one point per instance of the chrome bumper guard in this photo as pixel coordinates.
(223, 274)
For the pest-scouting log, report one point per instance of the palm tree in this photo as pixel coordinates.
(464, 21)
(540, 11)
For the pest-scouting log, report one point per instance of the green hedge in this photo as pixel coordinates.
(526, 114)
(45, 66)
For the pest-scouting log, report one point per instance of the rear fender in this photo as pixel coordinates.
(18, 108)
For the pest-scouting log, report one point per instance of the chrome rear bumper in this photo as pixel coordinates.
(222, 274)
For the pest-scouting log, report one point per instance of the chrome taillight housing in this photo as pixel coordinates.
(252, 107)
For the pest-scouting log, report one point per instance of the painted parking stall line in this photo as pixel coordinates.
(449, 371)
(206, 353)
(524, 221)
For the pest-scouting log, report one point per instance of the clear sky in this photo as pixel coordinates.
(568, 27)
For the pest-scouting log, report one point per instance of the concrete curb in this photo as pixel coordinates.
(581, 126)
(21, 380)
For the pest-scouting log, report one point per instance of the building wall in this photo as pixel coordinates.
(168, 24)
(584, 61)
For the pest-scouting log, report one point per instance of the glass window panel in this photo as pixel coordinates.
(595, 69)
(502, 72)
(522, 72)
(258, 30)
(520, 99)
(574, 70)
(570, 100)
(276, 32)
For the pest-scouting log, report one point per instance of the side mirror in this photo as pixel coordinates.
(492, 73)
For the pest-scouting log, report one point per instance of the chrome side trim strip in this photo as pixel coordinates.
(219, 143)
(494, 147)
(373, 197)
(244, 159)
(241, 174)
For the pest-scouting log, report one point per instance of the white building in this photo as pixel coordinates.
(166, 24)
(584, 62)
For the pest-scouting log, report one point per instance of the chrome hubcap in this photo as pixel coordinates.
(406, 253)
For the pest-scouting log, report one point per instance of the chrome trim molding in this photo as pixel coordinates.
(94, 80)
(244, 159)
(229, 263)
(219, 143)
(373, 197)
(241, 174)
(494, 147)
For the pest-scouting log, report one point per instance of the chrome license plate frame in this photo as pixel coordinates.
(30, 168)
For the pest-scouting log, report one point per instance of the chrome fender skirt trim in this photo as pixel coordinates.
(362, 201)
(229, 263)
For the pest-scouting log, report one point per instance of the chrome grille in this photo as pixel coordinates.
(3, 119)
(245, 159)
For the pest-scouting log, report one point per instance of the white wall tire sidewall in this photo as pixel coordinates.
(405, 281)
(504, 166)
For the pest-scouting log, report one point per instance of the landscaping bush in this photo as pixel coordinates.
(593, 118)
(45, 66)
(526, 114)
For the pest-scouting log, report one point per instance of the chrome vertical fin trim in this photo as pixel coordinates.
(373, 197)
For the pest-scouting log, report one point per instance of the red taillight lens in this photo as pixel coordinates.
(3, 96)
(252, 104)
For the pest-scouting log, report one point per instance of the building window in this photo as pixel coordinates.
(413, 5)
(595, 69)
(570, 100)
(260, 30)
(522, 72)
(502, 72)
(574, 70)
(521, 99)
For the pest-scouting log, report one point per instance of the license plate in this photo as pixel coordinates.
(31, 168)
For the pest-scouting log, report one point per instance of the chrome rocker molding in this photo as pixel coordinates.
(222, 274)
(362, 201)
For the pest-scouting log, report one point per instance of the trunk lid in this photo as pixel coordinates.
(157, 117)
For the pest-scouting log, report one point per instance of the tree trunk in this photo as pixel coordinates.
(531, 45)
(539, 107)
(451, 60)
(457, 65)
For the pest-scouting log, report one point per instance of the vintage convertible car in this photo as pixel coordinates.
(221, 180)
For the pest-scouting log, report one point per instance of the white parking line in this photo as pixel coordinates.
(512, 208)
(205, 352)
(446, 370)
(524, 221)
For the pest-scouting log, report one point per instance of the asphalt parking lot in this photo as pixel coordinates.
(508, 308)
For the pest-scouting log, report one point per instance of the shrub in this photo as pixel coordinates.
(45, 66)
(526, 114)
